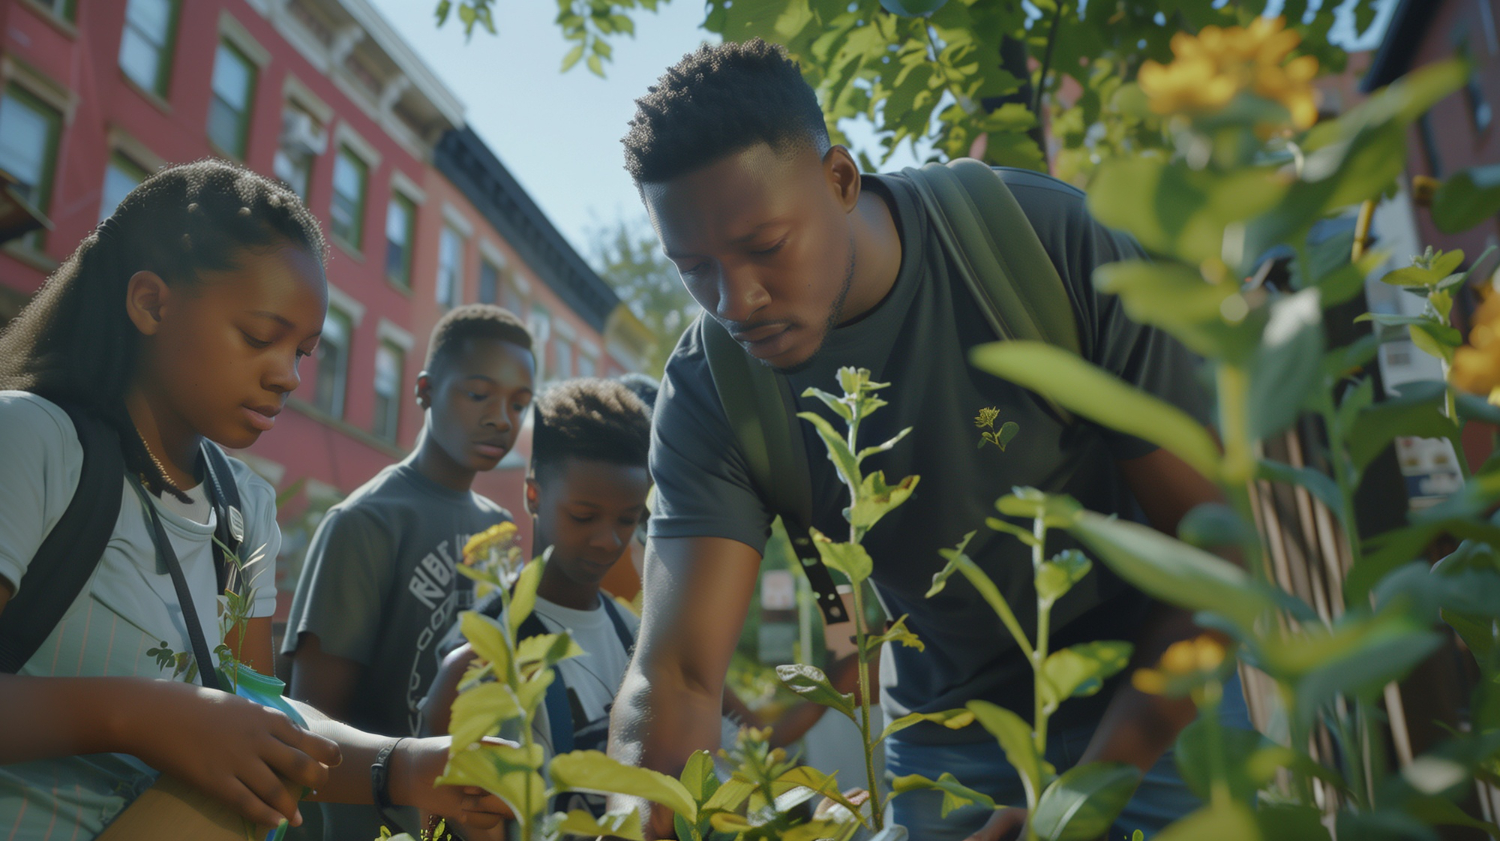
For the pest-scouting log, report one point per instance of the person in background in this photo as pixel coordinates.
(379, 588)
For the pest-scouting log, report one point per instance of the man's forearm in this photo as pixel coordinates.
(1138, 728)
(658, 723)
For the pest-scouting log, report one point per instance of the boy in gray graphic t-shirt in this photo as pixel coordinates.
(379, 587)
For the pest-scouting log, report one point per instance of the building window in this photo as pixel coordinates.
(302, 141)
(333, 363)
(389, 360)
(1479, 109)
(234, 91)
(29, 132)
(120, 177)
(587, 366)
(450, 279)
(510, 297)
(60, 9)
(400, 233)
(562, 358)
(146, 45)
(347, 216)
(539, 324)
(489, 282)
(1429, 146)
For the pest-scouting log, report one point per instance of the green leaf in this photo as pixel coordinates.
(1317, 483)
(1467, 198)
(1287, 364)
(573, 57)
(1024, 535)
(876, 498)
(1226, 821)
(960, 562)
(826, 785)
(487, 637)
(1380, 657)
(480, 711)
(1056, 577)
(951, 719)
(581, 822)
(545, 651)
(699, 778)
(1291, 823)
(812, 684)
(1443, 264)
(1007, 433)
(1250, 759)
(898, 632)
(1210, 525)
(508, 772)
(849, 558)
(595, 66)
(1015, 739)
(838, 451)
(1413, 412)
(1173, 571)
(593, 771)
(1180, 301)
(1084, 802)
(523, 597)
(837, 405)
(955, 794)
(1056, 510)
(729, 796)
(1080, 670)
(1101, 397)
(884, 447)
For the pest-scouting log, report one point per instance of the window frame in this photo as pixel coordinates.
(456, 291)
(392, 413)
(339, 392)
(402, 280)
(123, 162)
(226, 43)
(346, 153)
(163, 82)
(55, 120)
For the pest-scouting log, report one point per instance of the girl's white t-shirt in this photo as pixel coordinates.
(128, 607)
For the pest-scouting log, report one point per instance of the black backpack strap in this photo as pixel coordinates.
(627, 639)
(224, 496)
(68, 556)
(559, 711)
(762, 414)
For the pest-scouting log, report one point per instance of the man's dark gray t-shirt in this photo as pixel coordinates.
(917, 340)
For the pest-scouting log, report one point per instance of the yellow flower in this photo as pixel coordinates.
(496, 536)
(1209, 69)
(1183, 667)
(986, 418)
(1476, 365)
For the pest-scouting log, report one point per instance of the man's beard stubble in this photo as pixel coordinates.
(835, 317)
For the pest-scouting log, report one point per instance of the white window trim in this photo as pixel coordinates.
(122, 143)
(402, 183)
(386, 331)
(57, 97)
(565, 330)
(589, 347)
(231, 30)
(347, 304)
(343, 136)
(522, 284)
(300, 95)
(494, 256)
(457, 221)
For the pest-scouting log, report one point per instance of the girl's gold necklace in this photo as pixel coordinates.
(160, 468)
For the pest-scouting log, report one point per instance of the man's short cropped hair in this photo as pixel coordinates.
(591, 420)
(474, 321)
(719, 100)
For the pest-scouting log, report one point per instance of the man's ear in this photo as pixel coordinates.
(423, 390)
(533, 495)
(147, 298)
(842, 174)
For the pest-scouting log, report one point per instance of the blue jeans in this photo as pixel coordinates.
(1161, 798)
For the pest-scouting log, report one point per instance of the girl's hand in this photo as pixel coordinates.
(234, 750)
(416, 765)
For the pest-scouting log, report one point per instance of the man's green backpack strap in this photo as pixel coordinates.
(1014, 282)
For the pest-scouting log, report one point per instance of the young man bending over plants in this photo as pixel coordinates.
(810, 265)
(379, 588)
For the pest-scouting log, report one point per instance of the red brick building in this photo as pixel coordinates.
(326, 96)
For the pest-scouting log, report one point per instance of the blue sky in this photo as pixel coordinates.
(559, 132)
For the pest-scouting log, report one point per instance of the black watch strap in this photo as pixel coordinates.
(380, 785)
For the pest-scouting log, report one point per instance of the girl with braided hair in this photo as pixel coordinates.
(183, 318)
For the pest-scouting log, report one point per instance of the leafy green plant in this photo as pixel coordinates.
(870, 499)
(1081, 803)
(501, 694)
(1248, 175)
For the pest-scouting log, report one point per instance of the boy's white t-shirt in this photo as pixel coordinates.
(127, 608)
